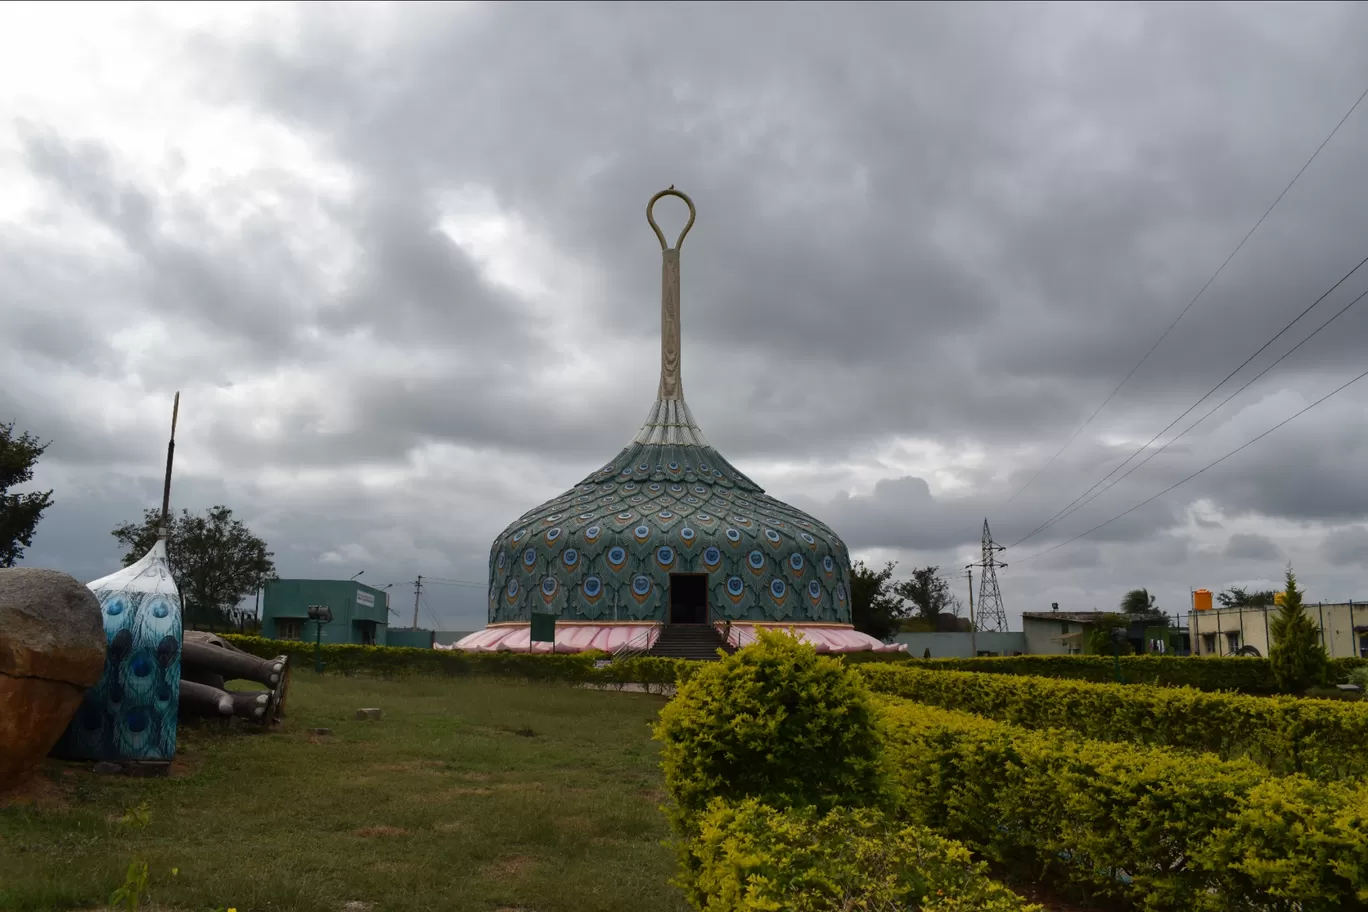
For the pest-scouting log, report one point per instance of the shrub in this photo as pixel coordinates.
(1244, 675)
(1293, 839)
(400, 661)
(1297, 657)
(1132, 826)
(1285, 734)
(775, 722)
(1359, 676)
(754, 858)
(1100, 637)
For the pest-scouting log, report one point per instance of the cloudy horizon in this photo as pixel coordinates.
(395, 260)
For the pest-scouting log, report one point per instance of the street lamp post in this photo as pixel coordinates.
(320, 615)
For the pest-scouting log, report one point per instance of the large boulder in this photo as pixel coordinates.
(52, 649)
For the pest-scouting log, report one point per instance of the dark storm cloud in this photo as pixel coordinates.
(961, 223)
(827, 168)
(1346, 547)
(1250, 546)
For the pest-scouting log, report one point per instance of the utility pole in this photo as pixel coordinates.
(973, 630)
(417, 594)
(990, 596)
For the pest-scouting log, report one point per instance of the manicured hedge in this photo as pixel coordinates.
(1244, 675)
(1321, 738)
(753, 858)
(1132, 826)
(398, 661)
(775, 769)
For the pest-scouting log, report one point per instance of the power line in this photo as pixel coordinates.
(1201, 470)
(1342, 311)
(431, 616)
(453, 582)
(1059, 515)
(1202, 291)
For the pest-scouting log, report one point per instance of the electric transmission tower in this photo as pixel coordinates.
(991, 614)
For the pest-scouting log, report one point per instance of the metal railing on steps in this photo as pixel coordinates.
(637, 645)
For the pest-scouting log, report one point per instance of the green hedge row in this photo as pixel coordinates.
(773, 762)
(399, 661)
(1321, 738)
(754, 858)
(1131, 826)
(1213, 674)
(1244, 675)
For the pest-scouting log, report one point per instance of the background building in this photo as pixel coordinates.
(1225, 631)
(961, 645)
(1068, 632)
(360, 614)
(1058, 632)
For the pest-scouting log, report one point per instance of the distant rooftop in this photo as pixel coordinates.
(1077, 617)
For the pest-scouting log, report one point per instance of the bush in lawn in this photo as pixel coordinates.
(1295, 839)
(1245, 675)
(1286, 734)
(753, 858)
(774, 721)
(1297, 656)
(1189, 831)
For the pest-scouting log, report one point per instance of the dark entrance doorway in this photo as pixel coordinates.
(688, 598)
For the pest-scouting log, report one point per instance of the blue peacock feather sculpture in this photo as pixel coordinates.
(131, 713)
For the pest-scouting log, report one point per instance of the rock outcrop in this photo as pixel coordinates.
(52, 649)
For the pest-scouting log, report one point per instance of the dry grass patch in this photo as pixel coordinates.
(371, 831)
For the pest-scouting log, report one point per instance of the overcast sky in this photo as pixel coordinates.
(395, 260)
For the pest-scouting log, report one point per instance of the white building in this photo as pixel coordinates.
(1224, 631)
(1058, 632)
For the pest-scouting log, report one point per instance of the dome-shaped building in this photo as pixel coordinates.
(667, 533)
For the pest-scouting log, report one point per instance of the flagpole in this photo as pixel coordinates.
(170, 455)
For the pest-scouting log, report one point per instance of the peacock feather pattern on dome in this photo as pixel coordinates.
(131, 713)
(668, 503)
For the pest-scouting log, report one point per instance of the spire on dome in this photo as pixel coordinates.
(671, 386)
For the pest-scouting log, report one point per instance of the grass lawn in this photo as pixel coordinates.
(469, 795)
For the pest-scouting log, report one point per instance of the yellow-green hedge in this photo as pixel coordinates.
(754, 858)
(1243, 675)
(1323, 739)
(1132, 826)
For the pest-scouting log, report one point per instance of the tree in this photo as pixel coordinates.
(215, 560)
(1297, 655)
(19, 513)
(929, 593)
(1238, 597)
(1139, 601)
(874, 606)
(1100, 637)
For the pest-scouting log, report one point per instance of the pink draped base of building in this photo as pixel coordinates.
(611, 637)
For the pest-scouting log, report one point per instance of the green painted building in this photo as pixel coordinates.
(360, 612)
(412, 637)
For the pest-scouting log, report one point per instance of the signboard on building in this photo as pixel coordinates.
(543, 628)
(364, 599)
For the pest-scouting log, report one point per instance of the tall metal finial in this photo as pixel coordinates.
(170, 455)
(671, 386)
